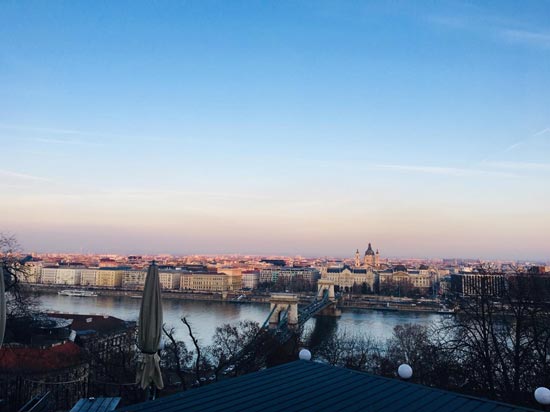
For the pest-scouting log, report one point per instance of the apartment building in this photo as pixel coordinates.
(88, 277)
(109, 278)
(207, 282)
(133, 279)
(250, 279)
(474, 284)
(170, 279)
(423, 278)
(68, 276)
(48, 275)
(287, 273)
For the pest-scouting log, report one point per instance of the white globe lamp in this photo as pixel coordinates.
(542, 395)
(304, 355)
(404, 371)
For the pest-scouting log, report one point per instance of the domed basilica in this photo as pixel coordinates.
(370, 259)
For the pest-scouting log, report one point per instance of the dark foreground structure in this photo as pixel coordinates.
(310, 386)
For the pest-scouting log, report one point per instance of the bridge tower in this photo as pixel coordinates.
(323, 286)
(281, 303)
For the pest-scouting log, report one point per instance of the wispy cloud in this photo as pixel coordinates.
(22, 176)
(513, 146)
(482, 23)
(64, 141)
(520, 165)
(83, 134)
(541, 132)
(197, 194)
(42, 129)
(448, 171)
(532, 38)
(516, 144)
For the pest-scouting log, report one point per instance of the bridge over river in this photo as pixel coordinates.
(286, 319)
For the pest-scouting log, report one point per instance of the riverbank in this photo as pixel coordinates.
(396, 308)
(229, 297)
(381, 303)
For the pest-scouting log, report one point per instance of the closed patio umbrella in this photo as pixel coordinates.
(2, 307)
(149, 331)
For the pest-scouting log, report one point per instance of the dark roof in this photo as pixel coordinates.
(342, 268)
(369, 251)
(39, 359)
(311, 386)
(102, 324)
(49, 322)
(96, 405)
(276, 262)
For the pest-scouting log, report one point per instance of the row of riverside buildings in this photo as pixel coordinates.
(361, 274)
(134, 279)
(230, 279)
(196, 278)
(367, 270)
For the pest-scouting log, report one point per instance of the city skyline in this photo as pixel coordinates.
(393, 259)
(286, 128)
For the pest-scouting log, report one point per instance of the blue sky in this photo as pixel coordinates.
(277, 127)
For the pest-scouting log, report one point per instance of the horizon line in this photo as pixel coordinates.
(287, 255)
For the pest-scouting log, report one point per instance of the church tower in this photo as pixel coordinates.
(357, 259)
(377, 259)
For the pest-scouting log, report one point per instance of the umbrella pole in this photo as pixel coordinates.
(151, 392)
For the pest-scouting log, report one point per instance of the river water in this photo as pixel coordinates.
(205, 316)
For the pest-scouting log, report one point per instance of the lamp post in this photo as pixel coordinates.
(304, 354)
(542, 395)
(404, 371)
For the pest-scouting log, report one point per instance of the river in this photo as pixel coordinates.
(205, 316)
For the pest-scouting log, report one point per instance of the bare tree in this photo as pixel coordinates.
(501, 335)
(362, 352)
(176, 357)
(354, 351)
(200, 363)
(332, 349)
(229, 343)
(420, 347)
(20, 301)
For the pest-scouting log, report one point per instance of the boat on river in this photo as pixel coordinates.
(77, 292)
(239, 299)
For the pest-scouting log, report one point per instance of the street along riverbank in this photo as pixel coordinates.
(354, 302)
